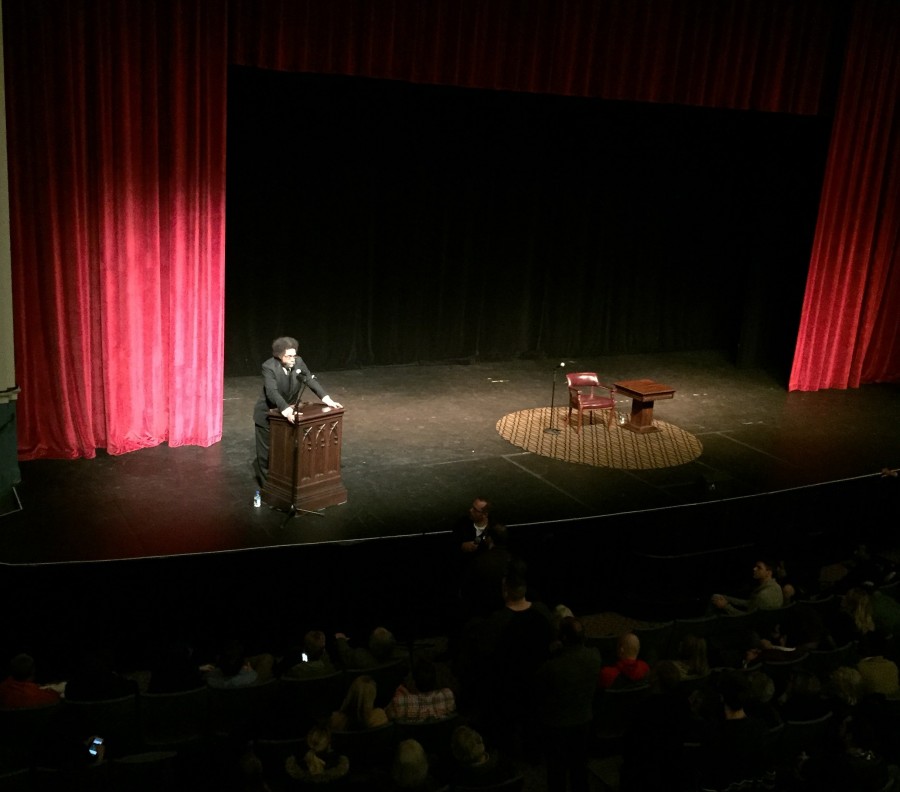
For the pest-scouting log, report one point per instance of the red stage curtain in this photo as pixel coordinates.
(117, 114)
(750, 54)
(117, 183)
(850, 326)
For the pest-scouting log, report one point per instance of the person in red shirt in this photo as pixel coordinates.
(628, 667)
(19, 690)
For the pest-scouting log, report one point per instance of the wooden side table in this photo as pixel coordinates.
(643, 393)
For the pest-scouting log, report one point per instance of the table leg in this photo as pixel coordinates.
(641, 417)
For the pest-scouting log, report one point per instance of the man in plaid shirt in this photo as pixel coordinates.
(423, 700)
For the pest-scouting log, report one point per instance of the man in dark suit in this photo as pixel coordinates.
(284, 376)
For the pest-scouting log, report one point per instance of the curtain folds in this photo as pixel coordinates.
(743, 54)
(850, 323)
(117, 181)
(116, 137)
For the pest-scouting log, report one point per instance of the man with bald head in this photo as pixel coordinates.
(628, 668)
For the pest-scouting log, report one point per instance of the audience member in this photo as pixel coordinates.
(381, 648)
(251, 774)
(563, 689)
(628, 668)
(410, 769)
(20, 691)
(692, 658)
(319, 763)
(735, 752)
(481, 579)
(803, 632)
(854, 619)
(653, 744)
(855, 764)
(793, 587)
(518, 643)
(844, 691)
(234, 668)
(174, 669)
(96, 677)
(69, 751)
(766, 595)
(557, 615)
(886, 612)
(473, 765)
(761, 698)
(803, 697)
(865, 568)
(309, 660)
(879, 674)
(358, 710)
(423, 699)
(802, 629)
(469, 531)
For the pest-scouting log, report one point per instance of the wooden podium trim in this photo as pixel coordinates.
(305, 459)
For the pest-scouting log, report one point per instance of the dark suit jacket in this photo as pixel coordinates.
(280, 389)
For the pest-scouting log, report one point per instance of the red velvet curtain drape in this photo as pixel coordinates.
(750, 54)
(117, 182)
(117, 115)
(850, 326)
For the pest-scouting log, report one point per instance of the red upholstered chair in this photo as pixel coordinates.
(585, 394)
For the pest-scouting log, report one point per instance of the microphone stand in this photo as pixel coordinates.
(552, 429)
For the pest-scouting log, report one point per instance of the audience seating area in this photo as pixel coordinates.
(239, 738)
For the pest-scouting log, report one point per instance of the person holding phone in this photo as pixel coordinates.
(309, 660)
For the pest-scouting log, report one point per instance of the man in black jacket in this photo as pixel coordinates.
(284, 377)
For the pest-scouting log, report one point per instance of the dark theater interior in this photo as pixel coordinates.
(454, 208)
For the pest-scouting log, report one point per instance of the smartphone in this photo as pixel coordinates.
(94, 747)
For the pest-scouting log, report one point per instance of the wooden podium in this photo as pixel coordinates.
(305, 460)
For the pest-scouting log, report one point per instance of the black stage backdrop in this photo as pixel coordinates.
(386, 223)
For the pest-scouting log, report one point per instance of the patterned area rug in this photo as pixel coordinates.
(596, 445)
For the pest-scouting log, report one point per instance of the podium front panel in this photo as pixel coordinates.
(305, 460)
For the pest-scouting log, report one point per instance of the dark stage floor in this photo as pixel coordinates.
(420, 442)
